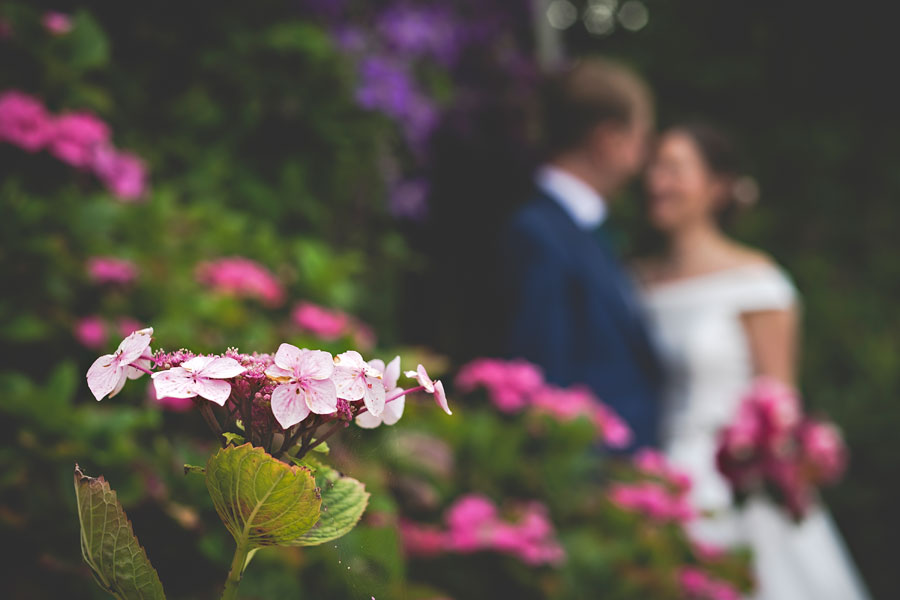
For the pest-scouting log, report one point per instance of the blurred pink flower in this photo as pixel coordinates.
(76, 138)
(127, 326)
(823, 447)
(653, 462)
(241, 277)
(6, 30)
(698, 585)
(124, 174)
(57, 23)
(24, 121)
(91, 332)
(323, 323)
(474, 524)
(109, 269)
(509, 384)
(653, 500)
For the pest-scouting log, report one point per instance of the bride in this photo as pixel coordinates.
(724, 314)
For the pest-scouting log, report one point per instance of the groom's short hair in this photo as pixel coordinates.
(590, 92)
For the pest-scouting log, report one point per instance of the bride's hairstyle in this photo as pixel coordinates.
(722, 157)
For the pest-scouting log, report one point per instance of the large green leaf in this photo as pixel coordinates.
(261, 500)
(344, 501)
(108, 545)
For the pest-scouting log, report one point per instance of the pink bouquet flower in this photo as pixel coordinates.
(771, 446)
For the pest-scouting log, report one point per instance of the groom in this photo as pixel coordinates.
(574, 311)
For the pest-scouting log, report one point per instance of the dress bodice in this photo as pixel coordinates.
(703, 345)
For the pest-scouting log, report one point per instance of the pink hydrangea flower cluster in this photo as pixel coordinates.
(653, 463)
(56, 23)
(112, 270)
(92, 332)
(517, 385)
(653, 499)
(291, 393)
(772, 445)
(330, 324)
(696, 584)
(473, 524)
(242, 277)
(79, 139)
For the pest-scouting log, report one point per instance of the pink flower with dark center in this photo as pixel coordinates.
(108, 374)
(200, 376)
(321, 322)
(91, 332)
(356, 380)
(242, 277)
(305, 384)
(108, 269)
(76, 138)
(124, 174)
(24, 121)
(57, 23)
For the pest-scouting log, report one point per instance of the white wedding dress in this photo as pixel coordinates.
(697, 325)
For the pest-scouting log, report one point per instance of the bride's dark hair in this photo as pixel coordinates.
(724, 160)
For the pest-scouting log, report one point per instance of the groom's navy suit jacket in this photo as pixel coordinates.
(575, 313)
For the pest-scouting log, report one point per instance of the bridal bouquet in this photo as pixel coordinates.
(269, 411)
(772, 446)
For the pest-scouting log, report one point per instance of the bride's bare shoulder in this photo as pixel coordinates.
(740, 255)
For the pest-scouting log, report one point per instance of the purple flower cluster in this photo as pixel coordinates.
(473, 524)
(79, 139)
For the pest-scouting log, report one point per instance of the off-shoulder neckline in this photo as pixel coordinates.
(695, 279)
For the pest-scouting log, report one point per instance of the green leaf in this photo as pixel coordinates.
(108, 545)
(261, 500)
(193, 469)
(235, 439)
(344, 501)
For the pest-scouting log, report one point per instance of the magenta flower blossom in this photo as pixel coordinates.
(654, 463)
(306, 384)
(124, 174)
(127, 325)
(824, 448)
(57, 23)
(91, 332)
(474, 524)
(393, 410)
(76, 138)
(652, 500)
(432, 387)
(241, 277)
(357, 380)
(321, 322)
(6, 30)
(108, 374)
(510, 384)
(109, 269)
(24, 121)
(200, 376)
(696, 584)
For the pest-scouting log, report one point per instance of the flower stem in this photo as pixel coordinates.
(237, 570)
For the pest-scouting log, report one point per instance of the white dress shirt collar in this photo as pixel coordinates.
(580, 201)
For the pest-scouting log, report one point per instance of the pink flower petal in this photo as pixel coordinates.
(289, 404)
(441, 397)
(103, 376)
(322, 397)
(177, 382)
(349, 383)
(367, 420)
(288, 357)
(391, 374)
(134, 345)
(374, 395)
(222, 367)
(214, 390)
(393, 410)
(316, 364)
